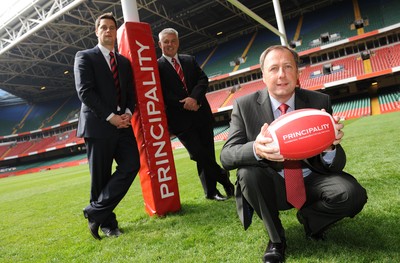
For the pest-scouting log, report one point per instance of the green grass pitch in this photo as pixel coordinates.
(41, 215)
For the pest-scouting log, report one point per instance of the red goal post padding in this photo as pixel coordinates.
(157, 172)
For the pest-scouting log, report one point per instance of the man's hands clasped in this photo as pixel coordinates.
(121, 121)
(190, 104)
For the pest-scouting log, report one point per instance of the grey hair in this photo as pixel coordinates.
(269, 49)
(167, 31)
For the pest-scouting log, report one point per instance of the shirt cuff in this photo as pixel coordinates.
(128, 111)
(329, 156)
(110, 116)
(255, 155)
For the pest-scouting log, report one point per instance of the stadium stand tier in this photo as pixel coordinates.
(389, 99)
(343, 51)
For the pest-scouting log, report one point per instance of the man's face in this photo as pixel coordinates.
(106, 32)
(169, 44)
(280, 74)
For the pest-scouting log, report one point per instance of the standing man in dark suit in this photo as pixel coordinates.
(189, 114)
(331, 194)
(104, 84)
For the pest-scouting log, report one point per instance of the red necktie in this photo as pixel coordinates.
(295, 191)
(180, 72)
(114, 71)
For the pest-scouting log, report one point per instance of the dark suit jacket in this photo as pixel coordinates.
(180, 119)
(249, 114)
(95, 87)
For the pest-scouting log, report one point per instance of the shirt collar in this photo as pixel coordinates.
(275, 104)
(105, 51)
(170, 58)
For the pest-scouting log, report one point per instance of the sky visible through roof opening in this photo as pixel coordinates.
(10, 9)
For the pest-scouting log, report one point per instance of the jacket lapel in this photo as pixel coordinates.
(265, 106)
(301, 101)
(182, 62)
(100, 57)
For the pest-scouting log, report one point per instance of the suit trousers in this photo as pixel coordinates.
(199, 142)
(107, 187)
(330, 197)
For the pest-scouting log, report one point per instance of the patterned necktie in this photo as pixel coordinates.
(114, 71)
(180, 72)
(295, 191)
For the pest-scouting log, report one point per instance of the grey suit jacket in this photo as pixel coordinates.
(249, 114)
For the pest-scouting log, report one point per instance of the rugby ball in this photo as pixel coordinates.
(303, 133)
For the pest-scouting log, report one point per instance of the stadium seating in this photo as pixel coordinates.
(350, 66)
(329, 22)
(11, 117)
(245, 89)
(352, 108)
(219, 63)
(373, 15)
(28, 117)
(39, 144)
(217, 98)
(68, 110)
(221, 133)
(380, 59)
(3, 149)
(389, 99)
(264, 38)
(19, 148)
(394, 52)
(386, 14)
(39, 113)
(389, 11)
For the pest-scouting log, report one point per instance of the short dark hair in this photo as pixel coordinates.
(269, 49)
(105, 16)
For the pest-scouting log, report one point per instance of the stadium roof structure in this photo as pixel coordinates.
(38, 44)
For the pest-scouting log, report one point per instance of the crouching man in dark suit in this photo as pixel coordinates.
(103, 80)
(330, 194)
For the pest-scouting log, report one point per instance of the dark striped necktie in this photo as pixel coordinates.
(114, 70)
(180, 72)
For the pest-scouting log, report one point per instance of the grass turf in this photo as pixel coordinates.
(41, 215)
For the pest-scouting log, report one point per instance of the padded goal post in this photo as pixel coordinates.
(157, 172)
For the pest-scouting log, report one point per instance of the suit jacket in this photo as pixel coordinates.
(96, 90)
(249, 114)
(173, 91)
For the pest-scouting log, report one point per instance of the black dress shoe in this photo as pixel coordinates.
(217, 197)
(275, 252)
(319, 236)
(93, 226)
(116, 232)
